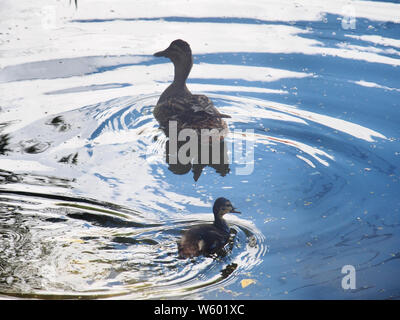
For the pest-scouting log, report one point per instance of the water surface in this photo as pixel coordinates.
(90, 209)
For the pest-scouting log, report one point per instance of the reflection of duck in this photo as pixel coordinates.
(214, 155)
(207, 238)
(178, 103)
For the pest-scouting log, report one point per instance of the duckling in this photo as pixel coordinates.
(178, 103)
(206, 239)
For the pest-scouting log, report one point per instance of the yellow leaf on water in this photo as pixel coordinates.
(73, 240)
(247, 282)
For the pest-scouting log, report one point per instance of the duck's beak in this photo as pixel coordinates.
(161, 54)
(234, 210)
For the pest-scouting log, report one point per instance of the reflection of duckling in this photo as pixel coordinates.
(207, 238)
(178, 103)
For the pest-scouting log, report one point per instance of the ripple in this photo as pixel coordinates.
(90, 206)
(91, 249)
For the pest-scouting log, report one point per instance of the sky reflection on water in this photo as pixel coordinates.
(89, 207)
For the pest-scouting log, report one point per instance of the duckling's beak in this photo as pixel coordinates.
(234, 210)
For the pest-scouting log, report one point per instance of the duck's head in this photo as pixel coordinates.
(178, 52)
(223, 206)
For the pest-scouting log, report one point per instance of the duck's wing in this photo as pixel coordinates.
(193, 106)
(210, 238)
(190, 244)
(190, 111)
(201, 239)
(214, 241)
(201, 104)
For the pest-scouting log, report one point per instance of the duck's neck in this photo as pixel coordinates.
(178, 87)
(221, 224)
(181, 71)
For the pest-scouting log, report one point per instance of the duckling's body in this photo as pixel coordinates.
(206, 239)
(177, 103)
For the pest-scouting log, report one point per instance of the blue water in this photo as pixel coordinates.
(89, 208)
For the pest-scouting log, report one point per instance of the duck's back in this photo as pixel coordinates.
(190, 111)
(203, 239)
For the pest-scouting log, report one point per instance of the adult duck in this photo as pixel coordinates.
(178, 104)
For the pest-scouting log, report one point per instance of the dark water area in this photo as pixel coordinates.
(89, 208)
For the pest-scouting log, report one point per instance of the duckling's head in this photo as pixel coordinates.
(178, 52)
(223, 206)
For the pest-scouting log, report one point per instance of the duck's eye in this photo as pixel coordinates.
(176, 48)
